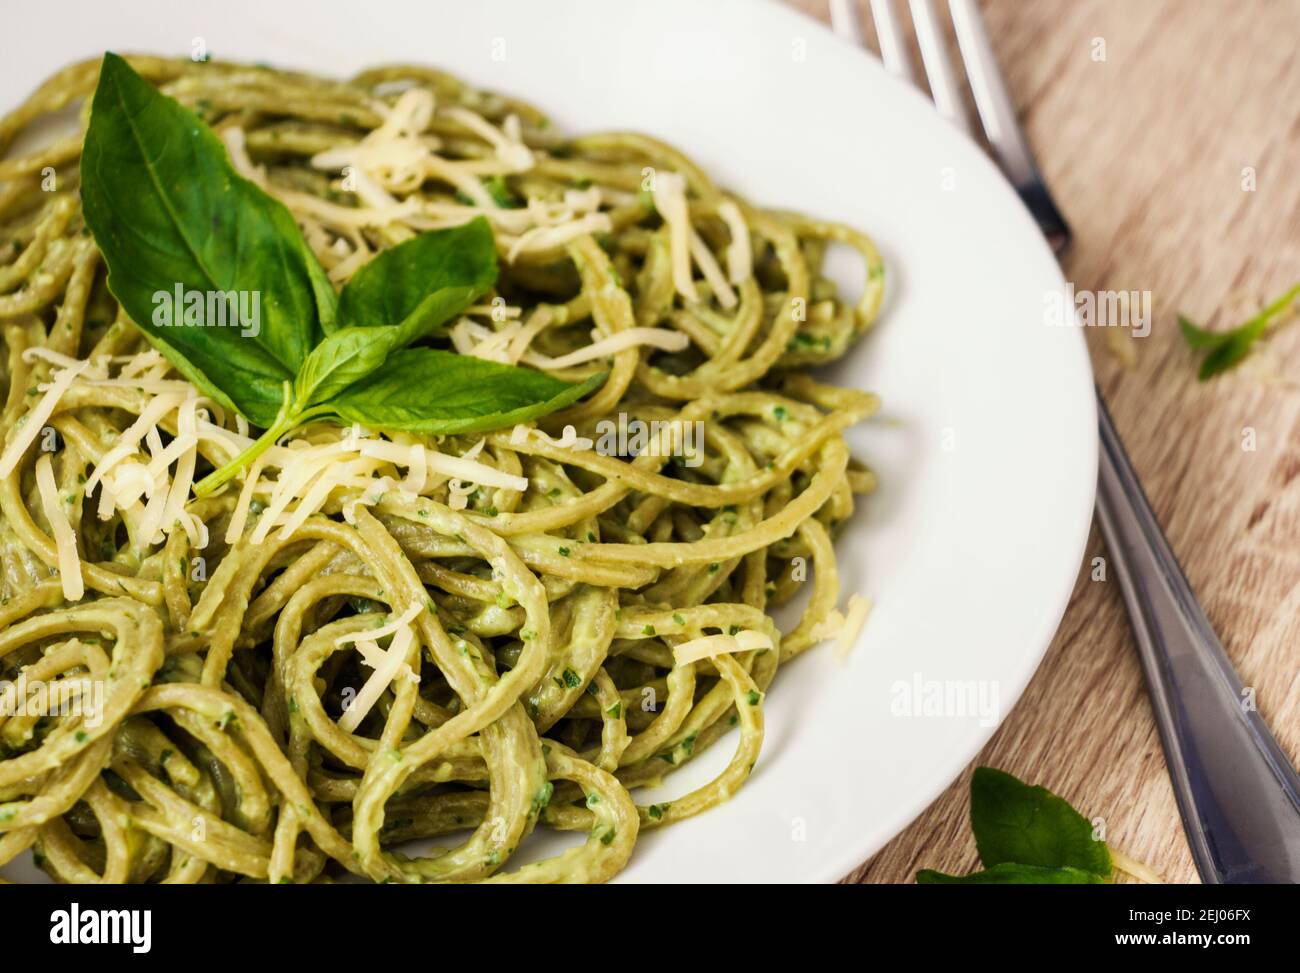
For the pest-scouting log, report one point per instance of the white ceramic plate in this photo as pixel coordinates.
(988, 462)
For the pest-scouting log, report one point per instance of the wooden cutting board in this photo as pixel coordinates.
(1169, 134)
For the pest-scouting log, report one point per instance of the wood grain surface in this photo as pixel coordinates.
(1149, 153)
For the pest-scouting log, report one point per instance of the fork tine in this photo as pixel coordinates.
(844, 21)
(999, 117)
(945, 89)
(893, 45)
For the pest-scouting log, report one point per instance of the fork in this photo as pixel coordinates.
(1237, 792)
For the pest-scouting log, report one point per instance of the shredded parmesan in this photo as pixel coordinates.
(127, 444)
(512, 342)
(713, 276)
(387, 665)
(417, 470)
(661, 338)
(459, 467)
(710, 645)
(150, 481)
(740, 254)
(35, 420)
(472, 338)
(65, 540)
(670, 200)
(240, 517)
(458, 494)
(295, 477)
(569, 438)
(509, 150)
(392, 628)
(685, 245)
(541, 238)
(238, 152)
(538, 322)
(369, 498)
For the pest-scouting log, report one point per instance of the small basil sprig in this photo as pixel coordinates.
(1225, 348)
(1009, 873)
(168, 211)
(1027, 836)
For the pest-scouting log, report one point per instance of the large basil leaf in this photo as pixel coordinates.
(172, 217)
(425, 390)
(421, 284)
(1016, 823)
(168, 210)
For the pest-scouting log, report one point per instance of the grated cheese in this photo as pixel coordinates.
(711, 645)
(391, 628)
(62, 361)
(242, 506)
(664, 339)
(458, 493)
(685, 245)
(708, 265)
(36, 419)
(537, 322)
(65, 539)
(417, 470)
(188, 440)
(511, 151)
(471, 338)
(569, 438)
(127, 445)
(542, 238)
(670, 200)
(237, 149)
(295, 477)
(459, 467)
(374, 493)
(740, 253)
(387, 665)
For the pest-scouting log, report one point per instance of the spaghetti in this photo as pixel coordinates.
(370, 639)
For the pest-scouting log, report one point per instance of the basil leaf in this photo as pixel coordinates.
(168, 211)
(1016, 823)
(402, 294)
(425, 390)
(421, 284)
(342, 358)
(1226, 348)
(1009, 873)
(173, 218)
(1199, 338)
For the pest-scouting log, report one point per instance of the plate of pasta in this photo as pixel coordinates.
(513, 442)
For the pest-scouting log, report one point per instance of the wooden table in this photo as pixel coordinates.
(1146, 152)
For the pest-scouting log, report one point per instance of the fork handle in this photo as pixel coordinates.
(1237, 792)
